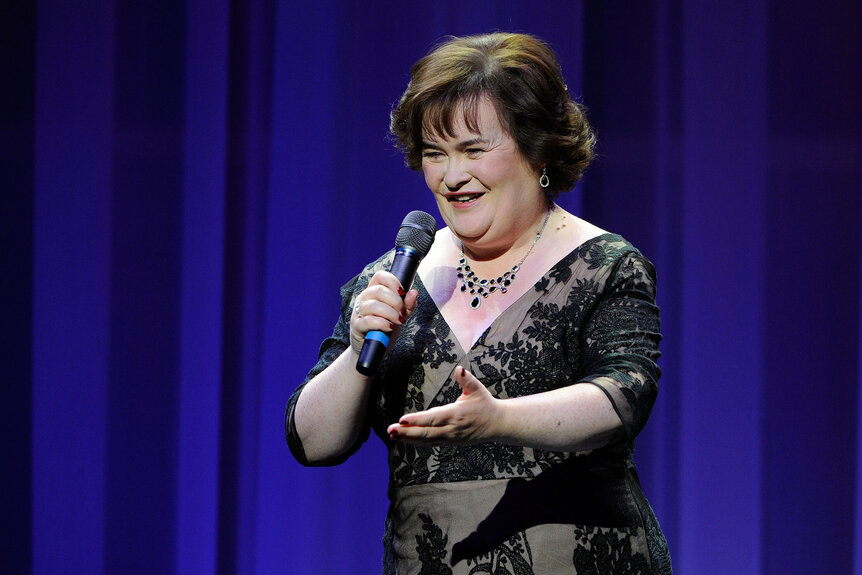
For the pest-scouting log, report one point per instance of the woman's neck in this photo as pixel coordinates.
(508, 247)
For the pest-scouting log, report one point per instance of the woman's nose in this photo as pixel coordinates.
(455, 176)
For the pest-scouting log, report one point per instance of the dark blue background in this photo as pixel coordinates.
(185, 185)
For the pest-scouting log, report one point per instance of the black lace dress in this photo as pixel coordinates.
(492, 508)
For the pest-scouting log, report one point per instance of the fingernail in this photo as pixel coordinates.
(401, 318)
(401, 291)
(391, 325)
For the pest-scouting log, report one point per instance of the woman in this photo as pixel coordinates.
(523, 361)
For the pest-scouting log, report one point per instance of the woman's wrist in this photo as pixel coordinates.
(499, 426)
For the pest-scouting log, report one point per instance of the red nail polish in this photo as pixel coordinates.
(401, 318)
(391, 325)
(401, 291)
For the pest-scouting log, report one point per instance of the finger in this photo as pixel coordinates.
(369, 314)
(388, 280)
(421, 434)
(382, 293)
(391, 311)
(374, 323)
(410, 301)
(392, 285)
(468, 382)
(434, 417)
(387, 294)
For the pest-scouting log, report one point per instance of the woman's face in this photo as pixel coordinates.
(486, 192)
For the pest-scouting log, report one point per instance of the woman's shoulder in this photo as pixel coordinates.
(360, 281)
(611, 260)
(597, 254)
(607, 248)
(382, 262)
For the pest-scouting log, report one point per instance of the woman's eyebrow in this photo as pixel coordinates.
(473, 142)
(461, 145)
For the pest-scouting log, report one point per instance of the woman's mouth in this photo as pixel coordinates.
(464, 198)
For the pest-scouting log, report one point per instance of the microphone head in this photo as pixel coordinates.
(417, 232)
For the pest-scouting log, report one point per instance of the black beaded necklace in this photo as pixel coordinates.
(482, 287)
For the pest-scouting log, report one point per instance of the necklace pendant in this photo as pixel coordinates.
(481, 288)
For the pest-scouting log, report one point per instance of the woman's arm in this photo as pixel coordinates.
(329, 414)
(330, 410)
(572, 418)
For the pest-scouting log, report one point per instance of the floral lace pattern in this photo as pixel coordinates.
(591, 319)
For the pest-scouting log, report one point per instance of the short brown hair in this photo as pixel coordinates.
(521, 76)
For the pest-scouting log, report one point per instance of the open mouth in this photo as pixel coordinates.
(464, 198)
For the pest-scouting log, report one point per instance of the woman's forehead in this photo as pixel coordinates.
(475, 116)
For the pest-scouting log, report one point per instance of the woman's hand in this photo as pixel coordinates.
(470, 419)
(382, 306)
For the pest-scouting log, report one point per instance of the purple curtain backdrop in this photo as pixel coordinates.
(187, 184)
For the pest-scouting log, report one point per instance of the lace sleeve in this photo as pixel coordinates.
(330, 349)
(620, 342)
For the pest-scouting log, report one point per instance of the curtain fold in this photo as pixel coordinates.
(186, 186)
(202, 291)
(17, 150)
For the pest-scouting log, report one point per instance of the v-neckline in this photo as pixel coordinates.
(567, 258)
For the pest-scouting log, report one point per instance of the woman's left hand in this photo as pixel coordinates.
(470, 419)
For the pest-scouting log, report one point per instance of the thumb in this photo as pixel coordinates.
(410, 301)
(468, 382)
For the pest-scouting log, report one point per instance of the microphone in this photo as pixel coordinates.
(415, 237)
